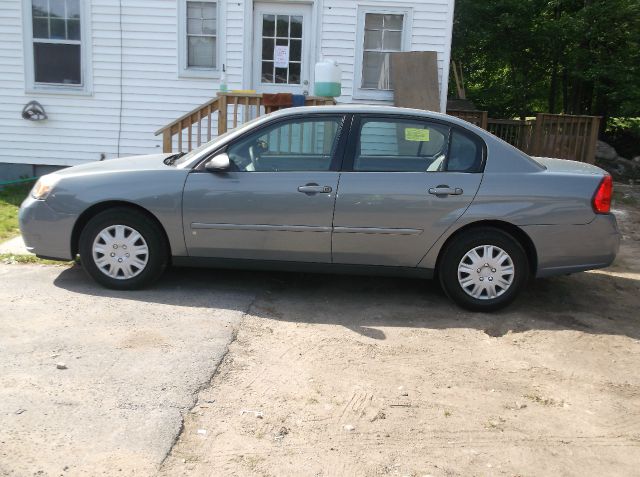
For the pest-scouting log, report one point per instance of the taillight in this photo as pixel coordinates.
(602, 198)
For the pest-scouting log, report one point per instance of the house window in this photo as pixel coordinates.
(382, 36)
(199, 37)
(380, 33)
(201, 34)
(57, 42)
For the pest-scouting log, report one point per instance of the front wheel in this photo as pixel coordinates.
(123, 249)
(483, 269)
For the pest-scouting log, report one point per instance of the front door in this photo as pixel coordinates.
(406, 182)
(281, 48)
(276, 203)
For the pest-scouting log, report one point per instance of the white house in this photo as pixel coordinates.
(109, 73)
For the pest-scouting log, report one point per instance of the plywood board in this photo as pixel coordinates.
(415, 80)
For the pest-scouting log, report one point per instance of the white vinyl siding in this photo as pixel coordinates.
(85, 128)
(428, 29)
(134, 77)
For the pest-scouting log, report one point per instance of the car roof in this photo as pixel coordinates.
(376, 109)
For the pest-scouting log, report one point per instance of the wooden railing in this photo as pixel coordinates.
(550, 135)
(566, 137)
(479, 118)
(227, 110)
(515, 132)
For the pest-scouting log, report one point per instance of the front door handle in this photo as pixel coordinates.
(445, 190)
(314, 189)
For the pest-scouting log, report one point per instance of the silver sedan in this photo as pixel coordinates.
(345, 189)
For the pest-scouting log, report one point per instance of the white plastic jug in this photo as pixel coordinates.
(328, 79)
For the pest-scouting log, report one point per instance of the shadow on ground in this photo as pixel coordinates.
(594, 302)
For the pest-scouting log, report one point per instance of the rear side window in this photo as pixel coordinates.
(407, 145)
(399, 145)
(465, 153)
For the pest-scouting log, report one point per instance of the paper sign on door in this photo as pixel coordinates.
(281, 56)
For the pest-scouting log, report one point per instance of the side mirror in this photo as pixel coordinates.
(219, 163)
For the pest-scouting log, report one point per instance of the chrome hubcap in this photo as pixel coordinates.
(486, 272)
(120, 252)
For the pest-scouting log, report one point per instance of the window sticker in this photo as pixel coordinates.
(415, 134)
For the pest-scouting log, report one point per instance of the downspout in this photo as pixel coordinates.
(121, 55)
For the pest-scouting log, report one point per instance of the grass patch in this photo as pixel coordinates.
(9, 258)
(10, 199)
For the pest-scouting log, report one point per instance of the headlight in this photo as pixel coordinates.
(43, 187)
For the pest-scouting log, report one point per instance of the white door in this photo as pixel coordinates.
(281, 48)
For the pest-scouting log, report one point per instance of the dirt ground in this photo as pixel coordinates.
(350, 376)
(319, 375)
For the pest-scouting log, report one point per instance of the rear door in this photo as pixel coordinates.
(277, 201)
(405, 181)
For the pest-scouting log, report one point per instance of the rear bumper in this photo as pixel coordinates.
(564, 249)
(46, 233)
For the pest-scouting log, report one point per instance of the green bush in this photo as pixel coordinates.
(624, 135)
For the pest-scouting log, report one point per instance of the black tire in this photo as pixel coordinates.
(465, 243)
(157, 257)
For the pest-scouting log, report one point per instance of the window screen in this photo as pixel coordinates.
(56, 41)
(202, 34)
(382, 36)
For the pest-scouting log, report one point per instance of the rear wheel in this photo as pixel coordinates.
(483, 269)
(123, 249)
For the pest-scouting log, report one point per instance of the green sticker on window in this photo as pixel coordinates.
(415, 134)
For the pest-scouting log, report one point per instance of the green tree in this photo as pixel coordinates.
(572, 56)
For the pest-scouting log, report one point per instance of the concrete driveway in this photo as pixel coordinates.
(134, 364)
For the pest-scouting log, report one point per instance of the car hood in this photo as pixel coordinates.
(569, 167)
(123, 164)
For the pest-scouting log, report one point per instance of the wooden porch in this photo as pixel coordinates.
(225, 111)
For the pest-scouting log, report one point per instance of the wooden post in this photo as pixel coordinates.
(593, 140)
(538, 127)
(166, 140)
(199, 128)
(222, 114)
(235, 111)
(484, 120)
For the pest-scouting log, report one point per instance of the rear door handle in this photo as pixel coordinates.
(314, 189)
(445, 190)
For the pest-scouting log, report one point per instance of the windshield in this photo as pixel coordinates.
(194, 152)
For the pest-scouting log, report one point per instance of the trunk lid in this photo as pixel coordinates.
(564, 166)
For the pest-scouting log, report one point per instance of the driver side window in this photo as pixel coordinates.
(294, 145)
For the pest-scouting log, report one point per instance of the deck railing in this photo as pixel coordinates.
(515, 132)
(551, 135)
(227, 110)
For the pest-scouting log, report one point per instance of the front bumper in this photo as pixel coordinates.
(46, 233)
(564, 249)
